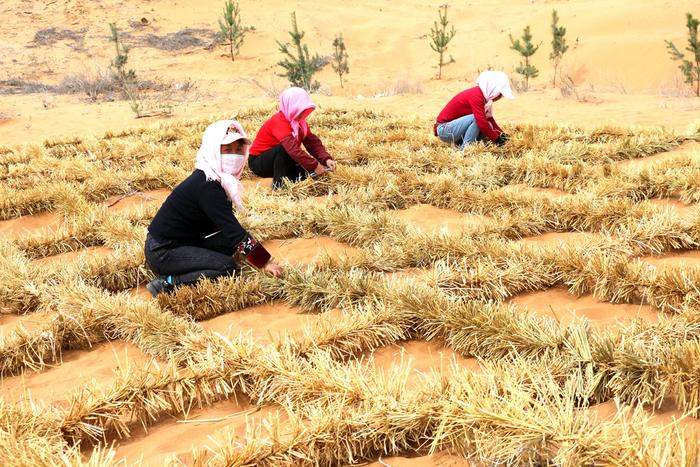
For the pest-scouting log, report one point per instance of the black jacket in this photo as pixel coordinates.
(197, 208)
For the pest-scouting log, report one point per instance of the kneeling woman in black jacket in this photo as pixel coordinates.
(195, 233)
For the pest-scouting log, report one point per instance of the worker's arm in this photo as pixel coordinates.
(217, 207)
(313, 144)
(477, 105)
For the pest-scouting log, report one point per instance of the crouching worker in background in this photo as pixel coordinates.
(468, 116)
(277, 151)
(195, 233)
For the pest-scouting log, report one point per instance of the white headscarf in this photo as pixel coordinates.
(493, 83)
(209, 160)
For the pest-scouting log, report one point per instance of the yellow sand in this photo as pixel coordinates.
(617, 57)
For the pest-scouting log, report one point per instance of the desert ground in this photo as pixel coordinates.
(532, 304)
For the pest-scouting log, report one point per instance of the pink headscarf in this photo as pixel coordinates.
(209, 160)
(293, 103)
(493, 83)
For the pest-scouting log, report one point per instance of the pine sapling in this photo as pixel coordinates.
(339, 61)
(440, 37)
(121, 58)
(231, 27)
(127, 78)
(559, 46)
(527, 49)
(130, 84)
(299, 68)
(689, 68)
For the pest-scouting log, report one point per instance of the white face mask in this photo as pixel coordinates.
(233, 164)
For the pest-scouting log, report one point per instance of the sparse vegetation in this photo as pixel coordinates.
(299, 65)
(526, 49)
(93, 85)
(126, 77)
(98, 85)
(179, 40)
(339, 61)
(231, 27)
(559, 46)
(273, 89)
(689, 68)
(440, 37)
(400, 87)
(129, 82)
(20, 85)
(569, 87)
(183, 39)
(50, 36)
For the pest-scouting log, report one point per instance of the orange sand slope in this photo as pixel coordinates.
(617, 58)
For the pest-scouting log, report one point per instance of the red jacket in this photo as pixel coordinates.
(470, 101)
(277, 130)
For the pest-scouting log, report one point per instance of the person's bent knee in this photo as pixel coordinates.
(153, 259)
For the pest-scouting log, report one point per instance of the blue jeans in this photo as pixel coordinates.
(461, 131)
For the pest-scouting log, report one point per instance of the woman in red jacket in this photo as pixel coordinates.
(468, 116)
(277, 152)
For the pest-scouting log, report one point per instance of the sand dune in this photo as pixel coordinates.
(617, 57)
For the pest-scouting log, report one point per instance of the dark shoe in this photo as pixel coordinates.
(159, 285)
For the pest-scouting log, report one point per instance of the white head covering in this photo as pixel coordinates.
(209, 159)
(493, 83)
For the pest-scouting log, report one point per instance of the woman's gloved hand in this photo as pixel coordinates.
(502, 139)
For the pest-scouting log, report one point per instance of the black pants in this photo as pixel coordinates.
(276, 163)
(187, 264)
